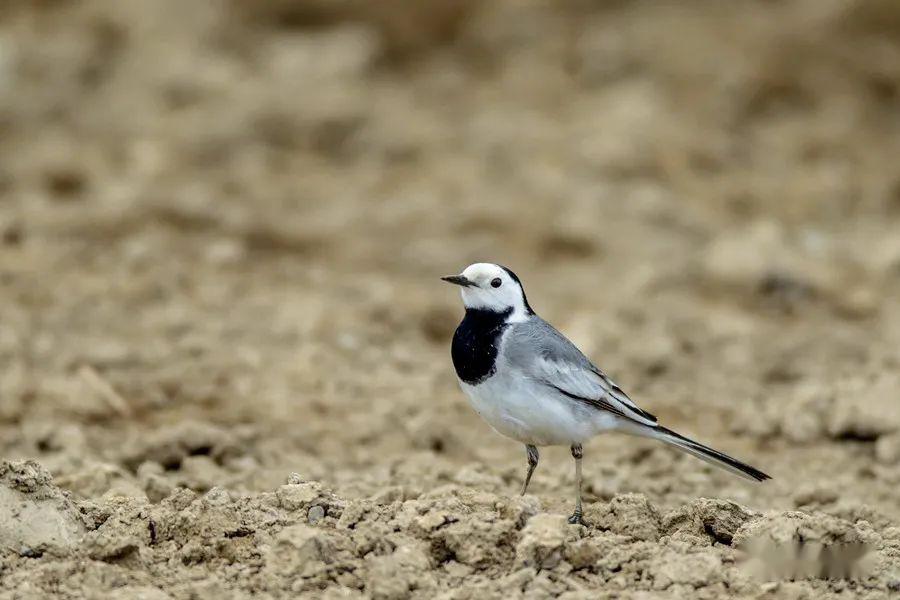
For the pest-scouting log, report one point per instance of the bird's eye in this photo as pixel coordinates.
(495, 282)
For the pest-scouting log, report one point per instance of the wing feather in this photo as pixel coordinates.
(545, 355)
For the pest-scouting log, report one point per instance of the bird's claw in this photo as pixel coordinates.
(575, 519)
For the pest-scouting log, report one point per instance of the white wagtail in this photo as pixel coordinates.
(531, 384)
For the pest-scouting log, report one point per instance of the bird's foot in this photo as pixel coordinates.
(575, 519)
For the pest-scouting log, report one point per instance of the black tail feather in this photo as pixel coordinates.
(709, 455)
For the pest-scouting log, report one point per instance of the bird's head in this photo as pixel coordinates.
(486, 286)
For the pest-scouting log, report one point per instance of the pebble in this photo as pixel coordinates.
(316, 513)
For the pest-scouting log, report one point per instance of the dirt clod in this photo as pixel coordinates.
(35, 516)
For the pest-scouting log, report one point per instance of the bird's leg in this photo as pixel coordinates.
(533, 457)
(576, 516)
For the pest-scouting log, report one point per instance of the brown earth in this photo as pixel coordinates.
(224, 342)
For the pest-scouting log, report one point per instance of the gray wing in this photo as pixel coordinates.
(543, 354)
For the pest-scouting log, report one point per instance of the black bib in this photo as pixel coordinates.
(476, 342)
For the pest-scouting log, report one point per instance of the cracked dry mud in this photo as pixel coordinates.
(224, 347)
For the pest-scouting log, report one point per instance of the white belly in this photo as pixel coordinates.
(533, 414)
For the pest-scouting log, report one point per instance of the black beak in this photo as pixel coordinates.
(458, 280)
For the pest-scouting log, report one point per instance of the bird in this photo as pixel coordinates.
(534, 386)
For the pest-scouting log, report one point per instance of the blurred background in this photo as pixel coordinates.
(222, 225)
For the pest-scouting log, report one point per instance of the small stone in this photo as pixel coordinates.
(315, 514)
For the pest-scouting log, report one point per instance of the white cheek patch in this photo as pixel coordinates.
(493, 300)
(478, 298)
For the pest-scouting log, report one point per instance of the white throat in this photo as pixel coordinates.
(478, 299)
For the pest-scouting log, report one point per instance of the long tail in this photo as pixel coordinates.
(705, 453)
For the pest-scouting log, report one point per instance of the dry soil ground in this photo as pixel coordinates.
(223, 336)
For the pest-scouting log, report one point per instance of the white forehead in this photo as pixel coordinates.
(482, 271)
